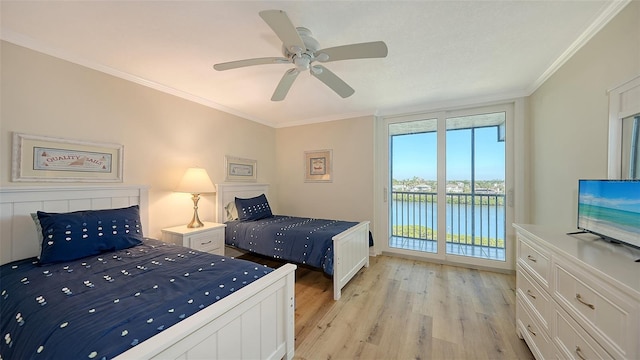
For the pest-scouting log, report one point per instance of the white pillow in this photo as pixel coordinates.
(36, 221)
(232, 212)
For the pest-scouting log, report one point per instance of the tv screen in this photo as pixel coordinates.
(611, 209)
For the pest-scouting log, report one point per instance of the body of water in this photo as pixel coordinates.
(489, 220)
(617, 224)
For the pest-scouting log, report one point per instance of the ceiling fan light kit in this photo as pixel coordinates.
(301, 49)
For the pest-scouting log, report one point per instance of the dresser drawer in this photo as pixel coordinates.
(609, 315)
(536, 337)
(208, 238)
(530, 293)
(210, 242)
(572, 341)
(535, 260)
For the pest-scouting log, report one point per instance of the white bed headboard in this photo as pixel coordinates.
(18, 238)
(227, 193)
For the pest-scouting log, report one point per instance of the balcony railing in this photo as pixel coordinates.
(472, 219)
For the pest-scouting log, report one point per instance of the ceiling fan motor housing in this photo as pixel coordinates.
(310, 43)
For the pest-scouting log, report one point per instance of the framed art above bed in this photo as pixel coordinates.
(42, 158)
(239, 169)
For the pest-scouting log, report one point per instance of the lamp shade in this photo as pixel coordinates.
(196, 181)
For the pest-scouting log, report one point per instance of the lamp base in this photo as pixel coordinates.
(195, 220)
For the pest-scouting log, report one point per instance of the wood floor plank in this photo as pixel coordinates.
(418, 339)
(406, 309)
(445, 350)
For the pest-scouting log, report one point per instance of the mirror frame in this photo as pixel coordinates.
(624, 101)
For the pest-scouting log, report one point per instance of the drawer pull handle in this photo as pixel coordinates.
(532, 258)
(531, 331)
(205, 243)
(579, 353)
(531, 294)
(581, 300)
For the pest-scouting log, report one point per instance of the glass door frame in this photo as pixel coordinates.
(382, 180)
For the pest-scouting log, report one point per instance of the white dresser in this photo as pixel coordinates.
(577, 296)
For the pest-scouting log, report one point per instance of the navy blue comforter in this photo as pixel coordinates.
(300, 240)
(100, 306)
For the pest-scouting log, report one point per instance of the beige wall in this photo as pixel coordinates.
(568, 118)
(162, 134)
(350, 195)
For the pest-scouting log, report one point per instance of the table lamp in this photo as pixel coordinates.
(196, 181)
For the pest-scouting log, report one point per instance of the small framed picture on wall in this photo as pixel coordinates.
(317, 166)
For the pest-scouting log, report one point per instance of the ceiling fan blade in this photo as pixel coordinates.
(376, 49)
(332, 80)
(250, 62)
(279, 22)
(285, 84)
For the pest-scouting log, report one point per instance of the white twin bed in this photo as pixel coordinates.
(255, 322)
(350, 247)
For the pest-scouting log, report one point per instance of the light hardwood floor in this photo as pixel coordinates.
(407, 309)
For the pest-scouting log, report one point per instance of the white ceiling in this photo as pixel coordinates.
(440, 52)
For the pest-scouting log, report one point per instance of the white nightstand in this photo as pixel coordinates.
(209, 238)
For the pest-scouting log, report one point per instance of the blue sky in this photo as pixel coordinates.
(415, 155)
(612, 194)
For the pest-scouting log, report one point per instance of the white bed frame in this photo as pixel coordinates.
(350, 247)
(256, 322)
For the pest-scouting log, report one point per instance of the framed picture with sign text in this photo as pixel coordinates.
(239, 169)
(40, 158)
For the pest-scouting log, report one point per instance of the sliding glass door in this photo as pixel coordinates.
(475, 191)
(413, 205)
(447, 181)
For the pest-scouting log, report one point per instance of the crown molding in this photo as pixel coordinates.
(32, 44)
(607, 15)
(610, 12)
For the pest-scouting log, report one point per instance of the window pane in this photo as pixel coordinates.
(475, 167)
(413, 154)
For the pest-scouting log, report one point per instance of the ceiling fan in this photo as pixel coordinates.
(301, 49)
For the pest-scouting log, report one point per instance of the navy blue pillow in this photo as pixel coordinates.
(74, 235)
(255, 208)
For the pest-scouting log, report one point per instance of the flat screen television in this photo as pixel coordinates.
(610, 209)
